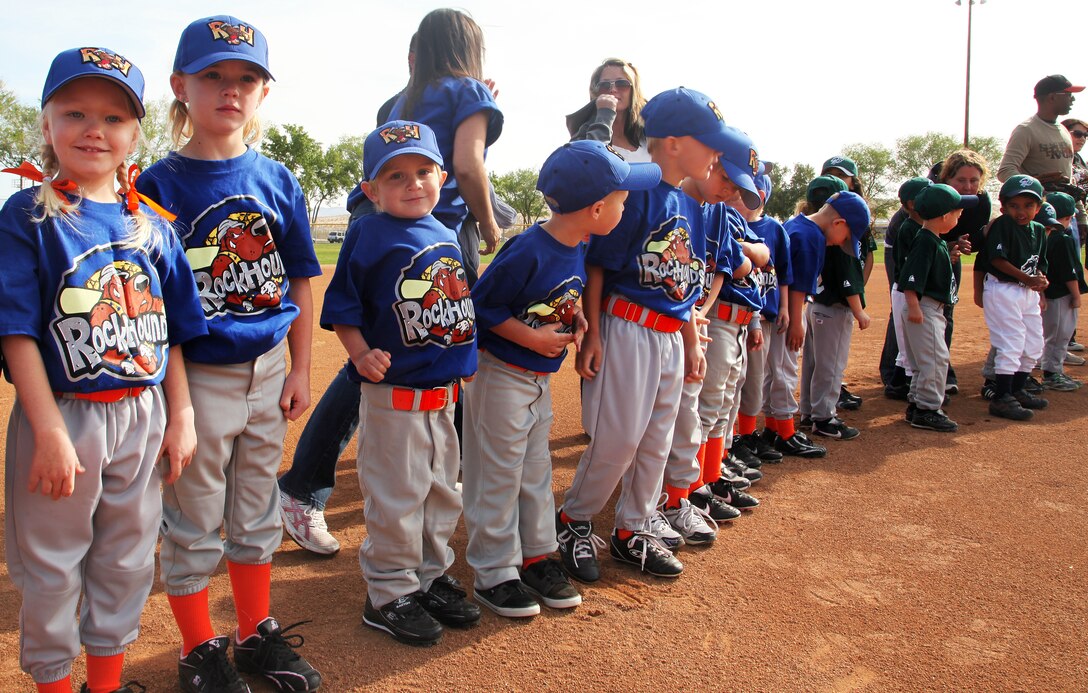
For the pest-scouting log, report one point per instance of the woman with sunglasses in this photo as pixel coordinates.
(1078, 130)
(614, 113)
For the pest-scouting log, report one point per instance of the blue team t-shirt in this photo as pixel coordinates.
(443, 106)
(741, 291)
(246, 233)
(655, 256)
(402, 283)
(808, 246)
(534, 279)
(778, 272)
(723, 253)
(104, 315)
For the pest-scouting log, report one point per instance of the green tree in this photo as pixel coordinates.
(20, 135)
(341, 169)
(790, 185)
(293, 147)
(916, 154)
(875, 169)
(518, 189)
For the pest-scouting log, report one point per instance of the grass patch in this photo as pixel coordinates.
(327, 252)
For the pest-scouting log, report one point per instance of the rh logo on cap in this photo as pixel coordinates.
(400, 134)
(835, 160)
(102, 58)
(714, 107)
(1025, 182)
(232, 34)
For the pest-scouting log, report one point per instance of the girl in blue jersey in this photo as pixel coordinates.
(242, 219)
(94, 299)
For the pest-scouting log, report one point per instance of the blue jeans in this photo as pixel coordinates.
(312, 475)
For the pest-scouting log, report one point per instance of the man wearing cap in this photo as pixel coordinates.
(1040, 146)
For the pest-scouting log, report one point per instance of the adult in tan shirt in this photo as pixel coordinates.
(1040, 146)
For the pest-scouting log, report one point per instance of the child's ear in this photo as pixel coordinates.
(443, 175)
(596, 209)
(177, 85)
(371, 191)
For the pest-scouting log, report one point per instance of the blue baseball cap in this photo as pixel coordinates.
(740, 162)
(213, 39)
(684, 112)
(395, 138)
(95, 62)
(763, 182)
(580, 173)
(851, 207)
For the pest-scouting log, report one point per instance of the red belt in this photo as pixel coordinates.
(632, 312)
(730, 313)
(411, 399)
(106, 396)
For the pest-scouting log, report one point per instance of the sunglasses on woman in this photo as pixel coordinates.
(1078, 133)
(607, 84)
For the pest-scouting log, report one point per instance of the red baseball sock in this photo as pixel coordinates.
(712, 464)
(193, 619)
(104, 673)
(785, 428)
(674, 495)
(746, 425)
(62, 686)
(252, 587)
(529, 561)
(770, 424)
(624, 534)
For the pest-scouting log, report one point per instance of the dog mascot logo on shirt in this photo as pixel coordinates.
(109, 318)
(239, 269)
(433, 304)
(668, 263)
(560, 306)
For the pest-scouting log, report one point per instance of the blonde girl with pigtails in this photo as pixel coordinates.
(94, 302)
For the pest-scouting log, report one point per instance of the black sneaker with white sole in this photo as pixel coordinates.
(578, 548)
(448, 602)
(731, 496)
(509, 599)
(207, 669)
(743, 452)
(647, 553)
(738, 468)
(834, 428)
(763, 449)
(270, 653)
(798, 445)
(704, 499)
(405, 620)
(550, 584)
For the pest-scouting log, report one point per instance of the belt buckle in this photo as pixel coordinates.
(442, 397)
(632, 312)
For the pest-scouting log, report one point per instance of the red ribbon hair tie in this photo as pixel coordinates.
(30, 172)
(133, 198)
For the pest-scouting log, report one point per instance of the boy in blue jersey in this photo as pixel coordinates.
(400, 304)
(527, 312)
(841, 221)
(642, 281)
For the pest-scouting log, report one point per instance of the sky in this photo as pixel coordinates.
(802, 78)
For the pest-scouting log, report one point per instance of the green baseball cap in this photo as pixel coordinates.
(822, 187)
(841, 163)
(1021, 184)
(911, 187)
(938, 199)
(1064, 204)
(1047, 217)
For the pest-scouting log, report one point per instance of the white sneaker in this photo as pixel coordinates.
(660, 528)
(306, 525)
(692, 523)
(1072, 359)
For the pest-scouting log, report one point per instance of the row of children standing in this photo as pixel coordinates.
(100, 295)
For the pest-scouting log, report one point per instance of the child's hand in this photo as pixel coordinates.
(782, 322)
(755, 339)
(295, 397)
(588, 360)
(373, 364)
(580, 327)
(695, 364)
(490, 235)
(54, 465)
(178, 443)
(914, 314)
(964, 244)
(795, 337)
(863, 320)
(953, 252)
(978, 299)
(490, 84)
(1038, 283)
(607, 101)
(549, 341)
(1074, 300)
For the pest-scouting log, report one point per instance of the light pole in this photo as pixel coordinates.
(967, 95)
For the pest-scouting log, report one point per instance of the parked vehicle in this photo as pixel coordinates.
(336, 237)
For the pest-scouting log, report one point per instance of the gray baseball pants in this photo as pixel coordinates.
(927, 350)
(826, 352)
(1059, 321)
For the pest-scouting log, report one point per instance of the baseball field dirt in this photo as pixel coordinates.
(905, 560)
